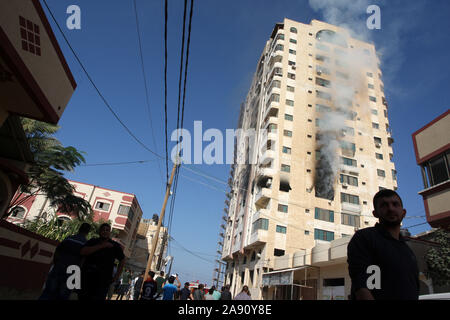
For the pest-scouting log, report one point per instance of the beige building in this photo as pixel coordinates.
(432, 148)
(120, 208)
(322, 149)
(143, 247)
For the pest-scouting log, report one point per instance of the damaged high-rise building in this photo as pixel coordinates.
(322, 149)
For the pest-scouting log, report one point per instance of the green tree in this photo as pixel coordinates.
(58, 230)
(46, 175)
(438, 258)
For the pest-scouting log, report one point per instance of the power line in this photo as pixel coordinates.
(191, 252)
(145, 82)
(115, 163)
(187, 60)
(165, 86)
(96, 88)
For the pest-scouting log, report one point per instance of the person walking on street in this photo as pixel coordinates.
(160, 280)
(149, 287)
(169, 289)
(216, 293)
(124, 284)
(67, 253)
(96, 272)
(138, 284)
(198, 293)
(244, 295)
(226, 294)
(185, 293)
(382, 248)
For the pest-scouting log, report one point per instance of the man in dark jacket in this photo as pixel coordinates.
(380, 263)
(226, 294)
(97, 271)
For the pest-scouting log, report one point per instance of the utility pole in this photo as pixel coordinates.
(161, 217)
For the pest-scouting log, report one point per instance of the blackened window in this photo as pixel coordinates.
(278, 252)
(30, 36)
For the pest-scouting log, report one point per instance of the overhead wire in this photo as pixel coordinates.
(107, 104)
(145, 83)
(165, 87)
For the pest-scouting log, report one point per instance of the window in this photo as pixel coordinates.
(280, 36)
(371, 86)
(291, 76)
(279, 47)
(285, 168)
(320, 70)
(102, 206)
(369, 74)
(290, 89)
(288, 117)
(348, 131)
(318, 155)
(278, 252)
(377, 140)
(31, 37)
(322, 58)
(379, 156)
(375, 125)
(349, 198)
(281, 229)
(292, 51)
(349, 162)
(347, 145)
(253, 256)
(317, 122)
(350, 220)
(322, 108)
(381, 173)
(394, 175)
(292, 41)
(272, 127)
(291, 63)
(286, 150)
(283, 208)
(17, 212)
(353, 181)
(323, 95)
(323, 235)
(372, 99)
(245, 260)
(126, 211)
(323, 82)
(289, 103)
(287, 133)
(323, 214)
(293, 30)
(306, 232)
(261, 224)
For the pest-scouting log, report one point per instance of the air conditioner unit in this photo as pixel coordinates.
(377, 144)
(293, 67)
(344, 185)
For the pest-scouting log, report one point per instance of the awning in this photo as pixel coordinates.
(281, 277)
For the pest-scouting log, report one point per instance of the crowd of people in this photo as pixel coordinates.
(102, 278)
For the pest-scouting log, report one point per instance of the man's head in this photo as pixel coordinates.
(161, 273)
(388, 208)
(171, 279)
(84, 229)
(151, 274)
(104, 231)
(201, 286)
(186, 285)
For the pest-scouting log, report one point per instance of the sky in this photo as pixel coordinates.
(227, 39)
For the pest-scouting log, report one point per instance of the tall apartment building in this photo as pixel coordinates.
(322, 149)
(122, 209)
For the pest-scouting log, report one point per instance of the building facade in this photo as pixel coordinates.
(120, 208)
(432, 149)
(35, 82)
(314, 148)
(143, 247)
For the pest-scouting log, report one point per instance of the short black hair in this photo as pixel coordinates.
(385, 193)
(171, 279)
(151, 274)
(84, 228)
(187, 284)
(162, 273)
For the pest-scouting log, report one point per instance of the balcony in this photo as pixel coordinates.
(257, 238)
(261, 213)
(267, 156)
(351, 207)
(349, 169)
(262, 198)
(272, 109)
(269, 120)
(320, 253)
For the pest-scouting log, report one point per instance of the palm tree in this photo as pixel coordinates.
(46, 175)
